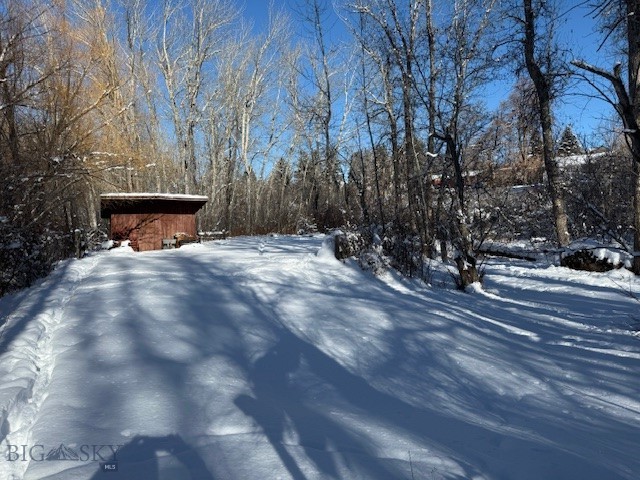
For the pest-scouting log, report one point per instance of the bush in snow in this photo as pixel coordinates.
(589, 255)
(306, 226)
(377, 252)
(363, 245)
(349, 244)
(587, 261)
(27, 254)
(600, 191)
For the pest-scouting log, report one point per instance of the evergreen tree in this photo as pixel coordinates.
(569, 143)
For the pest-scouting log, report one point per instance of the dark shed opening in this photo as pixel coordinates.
(145, 219)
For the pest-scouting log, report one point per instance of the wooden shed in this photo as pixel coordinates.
(146, 219)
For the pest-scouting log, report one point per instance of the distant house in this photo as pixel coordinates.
(575, 162)
(470, 178)
(146, 219)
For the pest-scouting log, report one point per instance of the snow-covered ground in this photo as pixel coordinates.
(266, 358)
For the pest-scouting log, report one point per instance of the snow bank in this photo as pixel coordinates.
(123, 248)
(327, 251)
(613, 253)
(25, 349)
(475, 287)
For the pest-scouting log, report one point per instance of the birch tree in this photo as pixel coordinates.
(191, 34)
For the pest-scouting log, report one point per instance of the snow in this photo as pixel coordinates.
(266, 358)
(123, 249)
(14, 245)
(613, 253)
(326, 252)
(578, 160)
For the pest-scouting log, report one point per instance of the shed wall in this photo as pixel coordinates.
(146, 230)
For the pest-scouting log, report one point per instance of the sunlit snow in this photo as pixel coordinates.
(266, 358)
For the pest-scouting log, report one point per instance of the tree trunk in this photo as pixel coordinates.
(432, 115)
(636, 217)
(543, 92)
(374, 151)
(465, 257)
(628, 108)
(395, 160)
(10, 119)
(409, 148)
(633, 42)
(554, 177)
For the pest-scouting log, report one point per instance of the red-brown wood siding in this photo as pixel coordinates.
(147, 219)
(146, 230)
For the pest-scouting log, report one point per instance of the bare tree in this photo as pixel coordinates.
(469, 61)
(626, 97)
(259, 95)
(392, 41)
(540, 59)
(56, 106)
(381, 118)
(141, 123)
(246, 121)
(190, 36)
(324, 80)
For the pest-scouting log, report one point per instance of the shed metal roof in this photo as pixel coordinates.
(154, 196)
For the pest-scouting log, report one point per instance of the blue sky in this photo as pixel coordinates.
(578, 32)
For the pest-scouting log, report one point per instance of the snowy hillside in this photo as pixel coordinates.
(256, 358)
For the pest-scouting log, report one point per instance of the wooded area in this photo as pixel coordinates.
(296, 130)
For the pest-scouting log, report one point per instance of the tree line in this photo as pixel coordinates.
(366, 113)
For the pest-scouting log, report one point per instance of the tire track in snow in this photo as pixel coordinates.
(22, 411)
